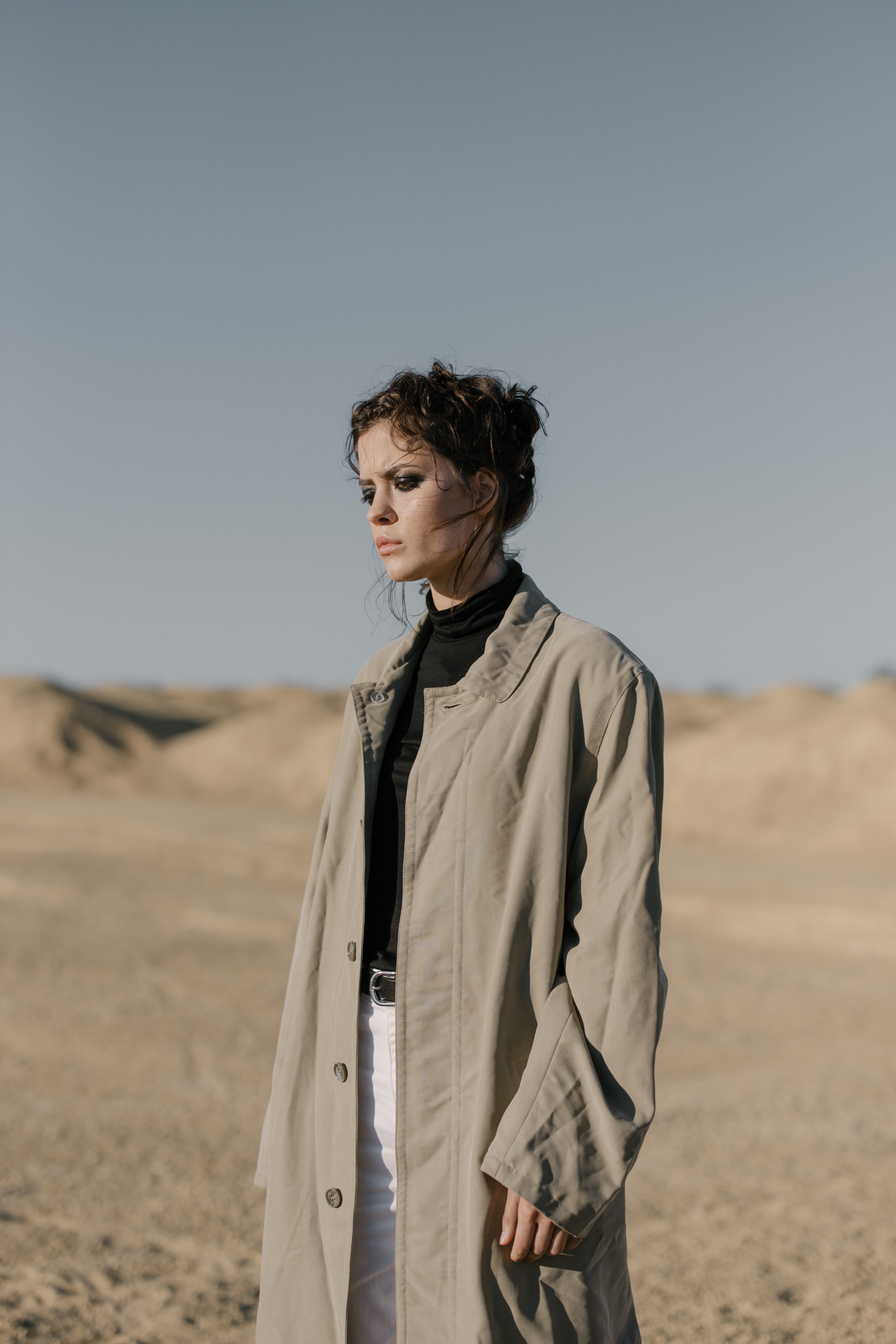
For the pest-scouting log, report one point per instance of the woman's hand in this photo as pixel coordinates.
(532, 1233)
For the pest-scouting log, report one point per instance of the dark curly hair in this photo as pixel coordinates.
(472, 420)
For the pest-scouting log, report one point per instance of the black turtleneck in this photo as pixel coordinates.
(455, 639)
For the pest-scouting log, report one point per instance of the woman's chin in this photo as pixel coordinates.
(401, 569)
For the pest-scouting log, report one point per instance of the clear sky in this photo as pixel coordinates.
(223, 222)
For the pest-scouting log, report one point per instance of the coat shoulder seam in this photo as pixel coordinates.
(599, 731)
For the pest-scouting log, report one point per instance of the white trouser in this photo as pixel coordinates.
(371, 1292)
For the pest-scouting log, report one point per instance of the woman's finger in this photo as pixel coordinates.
(508, 1221)
(544, 1235)
(525, 1230)
(558, 1242)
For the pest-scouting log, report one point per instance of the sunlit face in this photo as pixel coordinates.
(409, 492)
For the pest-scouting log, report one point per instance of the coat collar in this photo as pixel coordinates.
(509, 649)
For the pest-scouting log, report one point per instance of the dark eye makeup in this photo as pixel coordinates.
(402, 483)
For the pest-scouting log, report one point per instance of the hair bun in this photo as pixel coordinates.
(521, 414)
(443, 375)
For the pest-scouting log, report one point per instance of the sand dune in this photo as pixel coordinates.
(268, 743)
(53, 737)
(282, 750)
(792, 765)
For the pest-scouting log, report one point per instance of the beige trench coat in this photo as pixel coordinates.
(530, 994)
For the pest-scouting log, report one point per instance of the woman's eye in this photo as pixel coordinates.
(402, 483)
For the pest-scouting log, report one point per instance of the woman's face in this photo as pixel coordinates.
(409, 492)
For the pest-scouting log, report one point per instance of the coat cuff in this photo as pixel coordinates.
(561, 1145)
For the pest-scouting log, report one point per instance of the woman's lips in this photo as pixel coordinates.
(385, 544)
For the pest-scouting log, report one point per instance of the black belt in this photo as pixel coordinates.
(379, 985)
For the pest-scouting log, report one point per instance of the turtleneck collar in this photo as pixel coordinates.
(482, 611)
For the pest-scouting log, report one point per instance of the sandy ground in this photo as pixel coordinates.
(145, 944)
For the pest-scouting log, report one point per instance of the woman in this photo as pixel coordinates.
(464, 1074)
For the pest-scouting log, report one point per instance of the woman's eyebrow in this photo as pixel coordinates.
(388, 475)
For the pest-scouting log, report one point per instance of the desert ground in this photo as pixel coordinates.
(153, 848)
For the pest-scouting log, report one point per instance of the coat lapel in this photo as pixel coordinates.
(510, 649)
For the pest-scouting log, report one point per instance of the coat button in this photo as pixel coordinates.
(377, 697)
(341, 1072)
(351, 951)
(334, 1198)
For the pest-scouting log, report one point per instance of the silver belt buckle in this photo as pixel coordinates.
(375, 978)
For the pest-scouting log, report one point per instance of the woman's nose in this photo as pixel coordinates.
(380, 511)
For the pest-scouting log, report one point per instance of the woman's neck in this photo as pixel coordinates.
(494, 570)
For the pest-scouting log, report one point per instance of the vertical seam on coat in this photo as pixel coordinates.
(457, 1036)
(401, 1054)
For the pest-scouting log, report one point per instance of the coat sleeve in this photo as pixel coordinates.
(576, 1123)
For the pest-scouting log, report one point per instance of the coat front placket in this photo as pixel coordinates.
(429, 1007)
